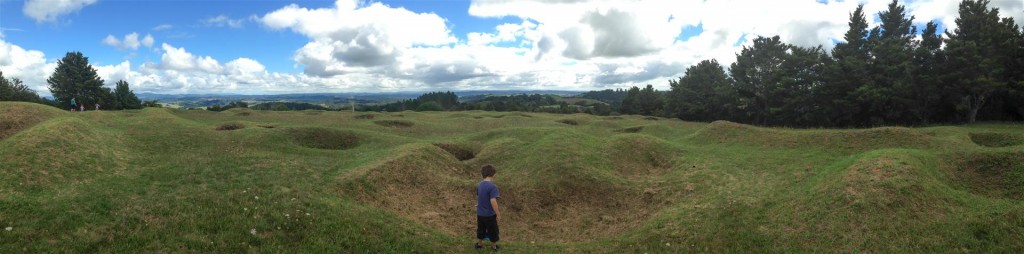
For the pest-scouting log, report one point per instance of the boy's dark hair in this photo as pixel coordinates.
(487, 170)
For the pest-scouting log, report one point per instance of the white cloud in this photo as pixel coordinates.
(28, 65)
(162, 27)
(224, 21)
(130, 41)
(352, 38)
(50, 10)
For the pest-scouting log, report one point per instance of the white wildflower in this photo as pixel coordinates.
(252, 231)
(257, 197)
(9, 228)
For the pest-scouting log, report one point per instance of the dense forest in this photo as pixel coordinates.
(883, 75)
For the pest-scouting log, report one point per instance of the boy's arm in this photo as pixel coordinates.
(494, 204)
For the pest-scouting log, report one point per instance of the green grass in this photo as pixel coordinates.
(163, 180)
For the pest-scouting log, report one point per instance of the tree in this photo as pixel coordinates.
(846, 73)
(75, 78)
(977, 56)
(928, 62)
(889, 93)
(124, 98)
(758, 75)
(802, 76)
(704, 93)
(14, 90)
(430, 106)
(631, 103)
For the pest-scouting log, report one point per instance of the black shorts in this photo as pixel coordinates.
(487, 227)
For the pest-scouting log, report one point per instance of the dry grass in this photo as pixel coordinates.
(229, 126)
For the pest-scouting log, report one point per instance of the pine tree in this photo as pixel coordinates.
(705, 93)
(977, 56)
(758, 74)
(846, 73)
(124, 98)
(888, 94)
(75, 78)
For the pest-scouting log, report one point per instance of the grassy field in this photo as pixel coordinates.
(164, 180)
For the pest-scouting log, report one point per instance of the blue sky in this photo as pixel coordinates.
(85, 30)
(269, 46)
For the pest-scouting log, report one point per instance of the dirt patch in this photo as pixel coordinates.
(394, 123)
(995, 139)
(569, 121)
(322, 138)
(613, 117)
(992, 174)
(243, 113)
(365, 116)
(460, 152)
(229, 126)
(265, 126)
(634, 129)
(422, 184)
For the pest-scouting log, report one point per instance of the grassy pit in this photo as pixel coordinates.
(323, 138)
(230, 126)
(394, 123)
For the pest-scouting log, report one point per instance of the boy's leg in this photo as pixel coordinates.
(481, 229)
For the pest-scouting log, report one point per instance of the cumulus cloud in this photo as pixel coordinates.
(28, 65)
(350, 37)
(130, 41)
(50, 10)
(224, 21)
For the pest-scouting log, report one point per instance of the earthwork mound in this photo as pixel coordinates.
(323, 138)
(994, 139)
(423, 184)
(18, 116)
(855, 140)
(245, 113)
(229, 126)
(365, 116)
(394, 123)
(638, 155)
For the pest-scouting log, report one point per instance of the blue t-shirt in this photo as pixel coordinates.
(485, 191)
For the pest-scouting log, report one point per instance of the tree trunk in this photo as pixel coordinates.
(974, 103)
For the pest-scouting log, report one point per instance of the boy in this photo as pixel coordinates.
(487, 214)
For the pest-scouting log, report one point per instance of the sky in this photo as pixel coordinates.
(299, 46)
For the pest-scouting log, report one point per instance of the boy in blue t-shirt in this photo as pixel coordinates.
(487, 214)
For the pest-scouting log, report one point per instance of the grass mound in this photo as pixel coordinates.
(266, 126)
(995, 139)
(18, 116)
(725, 132)
(246, 113)
(323, 138)
(394, 123)
(61, 151)
(544, 200)
(460, 152)
(992, 174)
(230, 126)
(639, 155)
(365, 116)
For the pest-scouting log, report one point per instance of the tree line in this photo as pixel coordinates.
(882, 75)
(75, 78)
